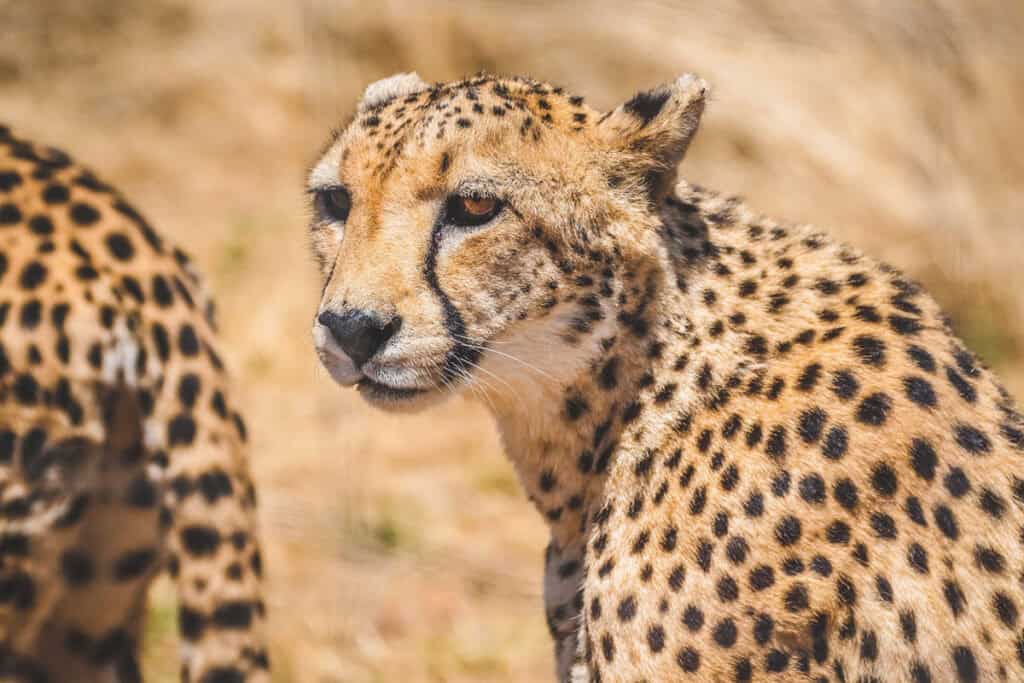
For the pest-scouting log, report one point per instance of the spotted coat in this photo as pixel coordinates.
(121, 453)
(761, 454)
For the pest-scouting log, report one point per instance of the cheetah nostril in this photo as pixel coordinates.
(359, 334)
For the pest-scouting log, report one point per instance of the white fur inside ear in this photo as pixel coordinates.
(399, 85)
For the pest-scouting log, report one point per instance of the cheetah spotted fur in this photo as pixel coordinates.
(761, 454)
(120, 452)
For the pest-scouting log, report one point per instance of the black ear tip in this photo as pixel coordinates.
(646, 105)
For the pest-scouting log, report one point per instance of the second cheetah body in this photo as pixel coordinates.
(121, 452)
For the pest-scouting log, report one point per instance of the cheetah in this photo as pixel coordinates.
(761, 454)
(121, 453)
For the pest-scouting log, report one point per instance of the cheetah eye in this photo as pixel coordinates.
(332, 203)
(468, 211)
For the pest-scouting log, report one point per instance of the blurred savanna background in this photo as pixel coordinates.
(401, 548)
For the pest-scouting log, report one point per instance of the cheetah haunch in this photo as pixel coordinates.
(120, 452)
(761, 454)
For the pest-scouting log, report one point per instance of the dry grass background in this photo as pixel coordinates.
(401, 548)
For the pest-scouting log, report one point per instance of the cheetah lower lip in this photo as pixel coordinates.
(379, 391)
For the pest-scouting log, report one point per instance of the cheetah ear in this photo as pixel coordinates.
(383, 91)
(655, 128)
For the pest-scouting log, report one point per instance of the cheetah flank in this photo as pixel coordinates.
(120, 453)
(761, 454)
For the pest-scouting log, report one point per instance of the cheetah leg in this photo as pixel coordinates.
(47, 469)
(563, 577)
(579, 672)
(93, 634)
(104, 651)
(213, 553)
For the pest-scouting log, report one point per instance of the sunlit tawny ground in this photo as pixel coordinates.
(400, 549)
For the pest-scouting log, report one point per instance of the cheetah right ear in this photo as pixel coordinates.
(383, 91)
(655, 128)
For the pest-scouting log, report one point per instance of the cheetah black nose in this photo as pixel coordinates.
(359, 334)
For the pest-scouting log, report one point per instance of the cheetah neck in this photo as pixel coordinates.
(565, 423)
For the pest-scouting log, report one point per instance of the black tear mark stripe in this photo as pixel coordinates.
(327, 282)
(460, 357)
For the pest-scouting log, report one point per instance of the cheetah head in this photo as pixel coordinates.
(466, 232)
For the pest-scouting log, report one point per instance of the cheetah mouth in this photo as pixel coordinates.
(378, 392)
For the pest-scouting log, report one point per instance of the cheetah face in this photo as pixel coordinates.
(454, 225)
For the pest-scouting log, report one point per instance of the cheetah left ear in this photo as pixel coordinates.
(655, 128)
(383, 91)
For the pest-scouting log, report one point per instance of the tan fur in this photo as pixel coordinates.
(762, 455)
(120, 452)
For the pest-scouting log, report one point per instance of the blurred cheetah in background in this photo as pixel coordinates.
(120, 451)
(761, 454)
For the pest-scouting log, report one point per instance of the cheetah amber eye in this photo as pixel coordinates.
(467, 211)
(333, 204)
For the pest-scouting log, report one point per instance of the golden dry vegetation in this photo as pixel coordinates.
(401, 548)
